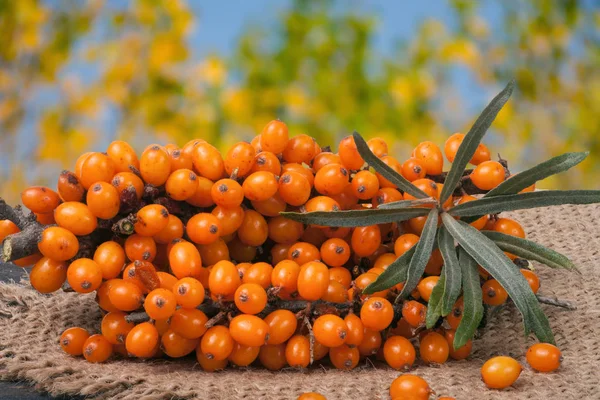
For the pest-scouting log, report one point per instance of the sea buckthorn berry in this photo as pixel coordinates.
(365, 185)
(285, 275)
(493, 293)
(297, 352)
(48, 275)
(214, 252)
(230, 218)
(371, 342)
(341, 275)
(482, 154)
(189, 292)
(242, 356)
(332, 179)
(544, 357)
(266, 161)
(190, 146)
(140, 248)
(336, 293)
(124, 295)
(378, 146)
(344, 357)
(462, 352)
(239, 158)
(434, 348)
(408, 386)
(325, 158)
(313, 280)
(386, 195)
(69, 188)
(188, 323)
(166, 280)
(73, 339)
(180, 160)
(452, 144)
(426, 185)
(376, 313)
(488, 175)
(274, 137)
(224, 279)
(413, 169)
(306, 172)
(142, 341)
(259, 273)
(203, 228)
(122, 155)
(97, 167)
(151, 219)
(79, 163)
(282, 325)
(160, 304)
(84, 275)
(259, 186)
(394, 164)
(364, 280)
(330, 330)
(414, 313)
(532, 279)
(426, 285)
(40, 199)
(250, 298)
(320, 351)
(399, 353)
(383, 261)
(303, 252)
(217, 343)
(125, 181)
(45, 219)
(294, 188)
(115, 327)
(181, 184)
(254, 230)
(208, 161)
(500, 372)
(366, 240)
(185, 260)
(355, 330)
(322, 203)
(300, 149)
(417, 224)
(270, 207)
(227, 193)
(478, 224)
(210, 365)
(103, 200)
(202, 197)
(249, 330)
(456, 314)
(173, 230)
(176, 346)
(241, 252)
(404, 243)
(311, 396)
(284, 230)
(431, 157)
(76, 217)
(97, 349)
(315, 236)
(272, 356)
(509, 227)
(102, 296)
(349, 154)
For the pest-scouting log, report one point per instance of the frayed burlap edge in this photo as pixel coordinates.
(30, 324)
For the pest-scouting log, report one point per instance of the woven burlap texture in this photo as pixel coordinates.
(30, 324)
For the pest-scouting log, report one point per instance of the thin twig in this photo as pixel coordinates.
(553, 301)
(215, 320)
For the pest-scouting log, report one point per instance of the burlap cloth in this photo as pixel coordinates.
(30, 324)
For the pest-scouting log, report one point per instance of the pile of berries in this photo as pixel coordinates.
(186, 251)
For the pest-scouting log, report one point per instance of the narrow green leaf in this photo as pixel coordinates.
(524, 179)
(530, 250)
(510, 202)
(472, 299)
(354, 218)
(394, 273)
(451, 272)
(407, 203)
(490, 257)
(386, 171)
(434, 308)
(472, 139)
(423, 250)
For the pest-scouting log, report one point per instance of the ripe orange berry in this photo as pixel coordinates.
(313, 280)
(84, 275)
(125, 295)
(250, 298)
(243, 356)
(303, 253)
(227, 193)
(493, 293)
(76, 217)
(259, 273)
(282, 325)
(189, 292)
(509, 227)
(181, 184)
(452, 144)
(332, 179)
(413, 169)
(103, 200)
(341, 275)
(217, 343)
(434, 348)
(97, 167)
(97, 349)
(408, 386)
(270, 207)
(404, 243)
(393, 164)
(176, 346)
(386, 195)
(274, 137)
(48, 275)
(366, 240)
(249, 330)
(40, 199)
(365, 185)
(426, 285)
(335, 252)
(399, 352)
(179, 160)
(160, 304)
(349, 154)
(188, 323)
(259, 186)
(378, 146)
(544, 357)
(431, 157)
(128, 181)
(224, 279)
(210, 364)
(151, 219)
(297, 351)
(325, 158)
(73, 339)
(69, 188)
(532, 279)
(173, 230)
(336, 293)
(185, 260)
(142, 341)
(370, 344)
(311, 396)
(285, 275)
(203, 228)
(414, 313)
(115, 327)
(140, 248)
(239, 158)
(122, 155)
(295, 167)
(376, 313)
(267, 161)
(462, 352)
(272, 356)
(330, 330)
(488, 175)
(364, 280)
(500, 372)
(344, 357)
(482, 154)
(299, 149)
(294, 188)
(478, 224)
(456, 314)
(155, 165)
(208, 161)
(284, 230)
(214, 252)
(254, 230)
(202, 197)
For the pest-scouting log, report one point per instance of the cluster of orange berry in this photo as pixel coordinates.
(187, 252)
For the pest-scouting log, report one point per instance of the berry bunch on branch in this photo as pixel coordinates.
(285, 252)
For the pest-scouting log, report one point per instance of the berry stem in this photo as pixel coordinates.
(553, 301)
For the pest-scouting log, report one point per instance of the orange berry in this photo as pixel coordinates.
(259, 273)
(97, 167)
(462, 352)
(303, 253)
(344, 357)
(151, 219)
(188, 323)
(140, 248)
(189, 292)
(544, 357)
(434, 348)
(173, 230)
(224, 279)
(336, 293)
(267, 161)
(325, 158)
(488, 175)
(330, 330)
(493, 293)
(282, 325)
(509, 227)
(73, 339)
(202, 196)
(203, 228)
(103, 200)
(259, 186)
(332, 179)
(456, 314)
(482, 154)
(185, 260)
(297, 351)
(217, 343)
(500, 372)
(40, 199)
(97, 349)
(250, 298)
(274, 137)
(249, 330)
(122, 155)
(341, 275)
(370, 344)
(452, 144)
(142, 341)
(284, 230)
(48, 275)
(376, 313)
(208, 161)
(285, 275)
(532, 279)
(431, 157)
(414, 313)
(76, 217)
(272, 356)
(366, 240)
(160, 304)
(413, 169)
(84, 275)
(399, 352)
(294, 188)
(311, 396)
(69, 188)
(227, 193)
(426, 285)
(124, 181)
(299, 149)
(408, 386)
(209, 364)
(115, 327)
(365, 185)
(239, 158)
(378, 146)
(243, 356)
(404, 243)
(254, 230)
(313, 280)
(181, 184)
(349, 154)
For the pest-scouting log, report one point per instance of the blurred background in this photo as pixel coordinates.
(77, 74)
